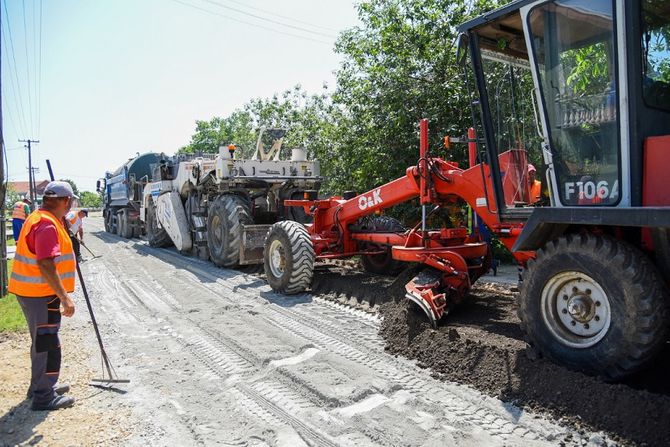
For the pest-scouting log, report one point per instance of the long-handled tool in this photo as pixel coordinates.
(89, 250)
(112, 377)
(111, 373)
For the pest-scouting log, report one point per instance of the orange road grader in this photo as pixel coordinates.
(580, 89)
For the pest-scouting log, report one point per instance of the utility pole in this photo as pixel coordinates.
(31, 179)
(3, 195)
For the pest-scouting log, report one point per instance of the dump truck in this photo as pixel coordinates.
(580, 88)
(220, 207)
(122, 192)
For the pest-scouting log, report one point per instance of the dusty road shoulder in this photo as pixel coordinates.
(98, 417)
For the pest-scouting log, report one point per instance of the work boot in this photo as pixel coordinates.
(59, 388)
(56, 403)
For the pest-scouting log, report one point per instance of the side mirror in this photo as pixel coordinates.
(97, 186)
(461, 49)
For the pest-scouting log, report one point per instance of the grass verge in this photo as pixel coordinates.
(11, 315)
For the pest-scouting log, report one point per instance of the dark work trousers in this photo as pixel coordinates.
(17, 224)
(43, 317)
(76, 246)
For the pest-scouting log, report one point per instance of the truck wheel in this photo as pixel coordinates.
(382, 264)
(288, 258)
(108, 222)
(118, 228)
(156, 235)
(225, 219)
(124, 229)
(594, 304)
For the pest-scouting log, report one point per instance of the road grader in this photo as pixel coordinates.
(586, 90)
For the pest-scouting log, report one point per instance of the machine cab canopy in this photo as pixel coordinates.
(568, 90)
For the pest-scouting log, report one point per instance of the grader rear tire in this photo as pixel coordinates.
(225, 219)
(594, 304)
(382, 264)
(288, 258)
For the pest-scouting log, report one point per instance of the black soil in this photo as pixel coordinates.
(480, 344)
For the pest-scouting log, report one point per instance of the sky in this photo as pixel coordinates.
(117, 77)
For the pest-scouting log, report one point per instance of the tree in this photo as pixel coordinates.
(399, 66)
(72, 184)
(11, 197)
(313, 122)
(89, 199)
(209, 135)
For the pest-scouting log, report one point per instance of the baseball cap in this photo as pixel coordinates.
(59, 189)
(531, 168)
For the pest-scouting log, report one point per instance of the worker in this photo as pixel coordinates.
(19, 215)
(75, 224)
(534, 185)
(42, 280)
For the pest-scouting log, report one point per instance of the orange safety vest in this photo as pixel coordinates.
(72, 223)
(19, 211)
(27, 279)
(535, 191)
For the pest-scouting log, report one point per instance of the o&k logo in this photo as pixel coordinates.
(365, 202)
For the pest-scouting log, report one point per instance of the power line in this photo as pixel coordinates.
(35, 55)
(39, 90)
(277, 22)
(25, 33)
(304, 22)
(17, 126)
(19, 96)
(251, 24)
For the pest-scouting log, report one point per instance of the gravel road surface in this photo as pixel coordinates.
(216, 357)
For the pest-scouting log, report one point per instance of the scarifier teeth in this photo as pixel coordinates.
(421, 304)
(423, 290)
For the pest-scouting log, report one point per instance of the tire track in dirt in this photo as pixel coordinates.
(316, 330)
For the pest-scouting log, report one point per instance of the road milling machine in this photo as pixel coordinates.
(220, 207)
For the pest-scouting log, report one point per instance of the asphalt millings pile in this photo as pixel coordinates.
(480, 344)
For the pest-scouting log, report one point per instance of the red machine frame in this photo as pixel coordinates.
(457, 255)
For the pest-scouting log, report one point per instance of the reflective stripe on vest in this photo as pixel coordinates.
(39, 279)
(33, 261)
(19, 211)
(26, 279)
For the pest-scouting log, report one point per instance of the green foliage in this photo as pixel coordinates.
(73, 185)
(399, 66)
(209, 135)
(656, 40)
(588, 68)
(89, 199)
(11, 315)
(312, 122)
(11, 197)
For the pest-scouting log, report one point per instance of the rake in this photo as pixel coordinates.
(107, 364)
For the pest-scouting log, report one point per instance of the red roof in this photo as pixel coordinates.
(23, 188)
